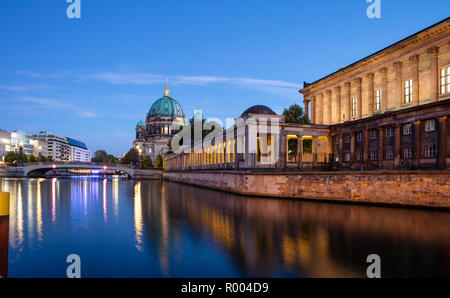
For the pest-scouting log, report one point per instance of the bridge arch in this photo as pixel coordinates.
(29, 169)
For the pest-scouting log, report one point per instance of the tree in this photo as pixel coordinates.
(42, 158)
(12, 157)
(198, 117)
(159, 162)
(294, 114)
(146, 162)
(132, 157)
(33, 158)
(102, 156)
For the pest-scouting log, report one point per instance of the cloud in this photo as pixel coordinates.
(53, 103)
(274, 86)
(22, 88)
(143, 78)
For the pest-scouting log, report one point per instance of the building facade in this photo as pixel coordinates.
(389, 110)
(5, 144)
(163, 118)
(78, 151)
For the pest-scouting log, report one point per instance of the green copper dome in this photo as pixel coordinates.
(166, 106)
(140, 124)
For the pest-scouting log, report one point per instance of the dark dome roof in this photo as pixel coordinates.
(259, 109)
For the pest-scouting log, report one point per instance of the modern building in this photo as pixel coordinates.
(163, 118)
(57, 147)
(24, 140)
(389, 110)
(62, 148)
(78, 151)
(5, 144)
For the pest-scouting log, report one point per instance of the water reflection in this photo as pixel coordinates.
(157, 229)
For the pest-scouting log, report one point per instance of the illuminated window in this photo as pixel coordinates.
(373, 134)
(373, 155)
(378, 98)
(407, 153)
(359, 156)
(430, 151)
(292, 146)
(347, 138)
(389, 154)
(430, 125)
(408, 91)
(445, 80)
(354, 106)
(347, 156)
(407, 129)
(359, 136)
(389, 131)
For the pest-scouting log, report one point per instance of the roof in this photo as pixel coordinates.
(76, 143)
(305, 85)
(165, 106)
(259, 109)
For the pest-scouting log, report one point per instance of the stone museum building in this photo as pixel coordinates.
(152, 137)
(389, 110)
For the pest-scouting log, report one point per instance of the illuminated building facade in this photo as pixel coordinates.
(152, 137)
(389, 110)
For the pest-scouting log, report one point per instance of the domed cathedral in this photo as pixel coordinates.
(152, 137)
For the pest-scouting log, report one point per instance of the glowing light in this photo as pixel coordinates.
(53, 199)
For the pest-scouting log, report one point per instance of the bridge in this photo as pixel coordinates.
(40, 168)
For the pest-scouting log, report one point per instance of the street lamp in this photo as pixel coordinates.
(140, 152)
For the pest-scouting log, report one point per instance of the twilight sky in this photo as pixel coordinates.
(93, 78)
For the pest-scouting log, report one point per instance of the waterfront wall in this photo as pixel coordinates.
(421, 189)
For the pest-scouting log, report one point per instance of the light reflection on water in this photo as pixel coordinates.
(125, 228)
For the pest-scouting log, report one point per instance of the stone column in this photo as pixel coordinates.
(414, 60)
(380, 147)
(348, 98)
(337, 91)
(299, 151)
(306, 111)
(329, 98)
(352, 149)
(417, 145)
(433, 53)
(313, 110)
(398, 85)
(366, 147)
(341, 149)
(314, 152)
(384, 89)
(397, 153)
(370, 93)
(442, 142)
(321, 113)
(358, 82)
(283, 149)
(237, 156)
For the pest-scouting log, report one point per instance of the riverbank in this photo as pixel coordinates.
(411, 188)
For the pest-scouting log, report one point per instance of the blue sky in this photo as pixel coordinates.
(93, 78)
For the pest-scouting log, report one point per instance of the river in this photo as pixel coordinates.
(128, 228)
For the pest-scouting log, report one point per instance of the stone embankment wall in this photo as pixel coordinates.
(422, 189)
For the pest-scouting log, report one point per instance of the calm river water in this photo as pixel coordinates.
(126, 228)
